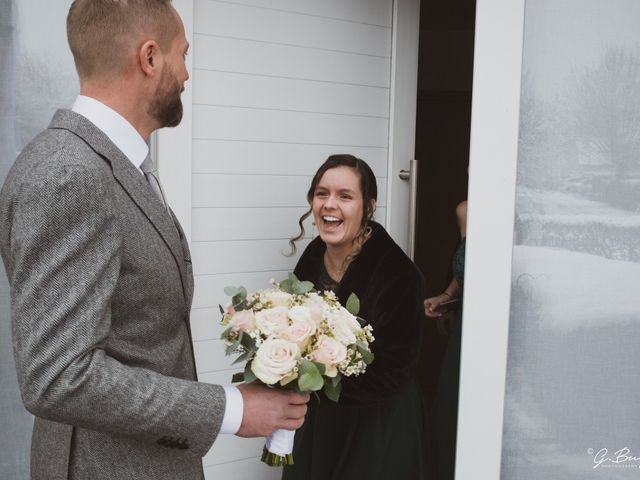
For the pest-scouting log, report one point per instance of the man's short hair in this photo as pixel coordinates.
(104, 34)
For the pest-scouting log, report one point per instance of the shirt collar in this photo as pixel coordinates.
(115, 126)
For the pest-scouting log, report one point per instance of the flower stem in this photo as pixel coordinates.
(275, 460)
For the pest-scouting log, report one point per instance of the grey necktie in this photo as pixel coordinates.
(151, 174)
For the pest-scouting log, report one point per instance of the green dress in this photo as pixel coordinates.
(445, 408)
(376, 431)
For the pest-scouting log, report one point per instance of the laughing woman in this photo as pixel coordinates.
(375, 431)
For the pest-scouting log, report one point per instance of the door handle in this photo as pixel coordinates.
(411, 176)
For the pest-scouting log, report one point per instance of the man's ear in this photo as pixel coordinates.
(149, 57)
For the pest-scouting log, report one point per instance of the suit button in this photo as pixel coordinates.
(182, 444)
(163, 441)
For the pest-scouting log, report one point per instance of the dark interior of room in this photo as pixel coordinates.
(445, 72)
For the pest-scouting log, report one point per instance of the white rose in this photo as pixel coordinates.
(315, 303)
(299, 313)
(275, 359)
(278, 298)
(243, 321)
(272, 321)
(330, 353)
(343, 325)
(301, 328)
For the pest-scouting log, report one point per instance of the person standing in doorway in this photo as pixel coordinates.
(445, 409)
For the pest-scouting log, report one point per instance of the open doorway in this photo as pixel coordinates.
(445, 74)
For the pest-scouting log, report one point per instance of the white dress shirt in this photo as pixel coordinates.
(131, 143)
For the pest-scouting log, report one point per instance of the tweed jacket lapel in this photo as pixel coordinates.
(132, 181)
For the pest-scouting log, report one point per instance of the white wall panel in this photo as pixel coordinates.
(209, 288)
(266, 25)
(229, 448)
(235, 191)
(252, 124)
(249, 191)
(242, 90)
(211, 357)
(222, 156)
(375, 12)
(248, 56)
(241, 256)
(220, 377)
(248, 223)
(250, 469)
(205, 323)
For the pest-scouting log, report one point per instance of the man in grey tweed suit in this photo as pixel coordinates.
(100, 273)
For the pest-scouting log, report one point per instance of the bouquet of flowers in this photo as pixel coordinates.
(293, 337)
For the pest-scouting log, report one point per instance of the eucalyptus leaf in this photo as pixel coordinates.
(231, 291)
(310, 378)
(249, 376)
(238, 296)
(303, 287)
(247, 342)
(332, 391)
(226, 331)
(367, 355)
(237, 377)
(242, 358)
(287, 284)
(233, 348)
(239, 303)
(321, 367)
(353, 304)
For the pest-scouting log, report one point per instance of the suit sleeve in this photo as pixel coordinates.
(396, 317)
(64, 264)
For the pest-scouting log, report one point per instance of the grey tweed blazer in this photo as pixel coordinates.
(101, 288)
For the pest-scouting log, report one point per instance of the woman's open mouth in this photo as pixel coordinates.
(331, 221)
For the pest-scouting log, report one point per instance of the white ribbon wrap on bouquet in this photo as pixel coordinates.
(280, 442)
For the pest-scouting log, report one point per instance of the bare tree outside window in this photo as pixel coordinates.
(572, 385)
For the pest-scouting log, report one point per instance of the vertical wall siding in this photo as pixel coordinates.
(278, 85)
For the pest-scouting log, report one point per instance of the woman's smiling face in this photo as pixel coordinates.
(337, 207)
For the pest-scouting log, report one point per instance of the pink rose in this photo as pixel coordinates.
(243, 321)
(302, 326)
(330, 353)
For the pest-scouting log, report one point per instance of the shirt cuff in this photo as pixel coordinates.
(233, 410)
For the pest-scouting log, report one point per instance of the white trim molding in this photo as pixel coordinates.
(492, 181)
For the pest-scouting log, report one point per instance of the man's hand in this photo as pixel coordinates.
(267, 409)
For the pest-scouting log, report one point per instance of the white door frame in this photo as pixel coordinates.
(403, 100)
(492, 182)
